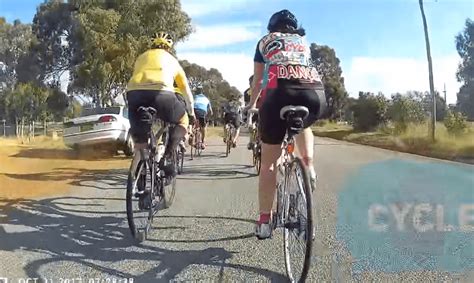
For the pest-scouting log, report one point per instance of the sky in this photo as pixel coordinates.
(380, 43)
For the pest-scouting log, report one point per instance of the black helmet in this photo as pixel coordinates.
(281, 19)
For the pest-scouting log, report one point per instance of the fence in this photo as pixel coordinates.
(30, 130)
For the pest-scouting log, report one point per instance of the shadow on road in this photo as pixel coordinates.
(97, 243)
(217, 172)
(68, 154)
(102, 179)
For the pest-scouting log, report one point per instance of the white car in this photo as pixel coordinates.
(107, 128)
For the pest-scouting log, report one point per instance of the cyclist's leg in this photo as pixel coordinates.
(226, 126)
(315, 101)
(272, 134)
(170, 109)
(139, 129)
(236, 121)
(203, 127)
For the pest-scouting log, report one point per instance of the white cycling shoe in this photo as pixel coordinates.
(263, 231)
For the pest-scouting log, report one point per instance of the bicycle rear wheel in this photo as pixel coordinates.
(198, 143)
(139, 204)
(228, 141)
(298, 226)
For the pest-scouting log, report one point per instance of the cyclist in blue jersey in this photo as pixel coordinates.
(202, 107)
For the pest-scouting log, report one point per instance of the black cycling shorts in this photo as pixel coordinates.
(232, 118)
(272, 127)
(201, 117)
(169, 108)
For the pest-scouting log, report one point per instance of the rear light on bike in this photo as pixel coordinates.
(107, 119)
(290, 148)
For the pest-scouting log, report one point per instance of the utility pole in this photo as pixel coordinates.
(444, 91)
(430, 72)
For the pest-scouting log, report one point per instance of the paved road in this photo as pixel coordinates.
(207, 235)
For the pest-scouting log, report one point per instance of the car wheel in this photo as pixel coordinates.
(129, 146)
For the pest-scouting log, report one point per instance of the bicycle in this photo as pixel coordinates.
(255, 137)
(196, 141)
(147, 185)
(294, 199)
(180, 158)
(229, 135)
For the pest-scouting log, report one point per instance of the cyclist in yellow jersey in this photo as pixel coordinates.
(151, 85)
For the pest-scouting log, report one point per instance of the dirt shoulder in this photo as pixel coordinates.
(45, 167)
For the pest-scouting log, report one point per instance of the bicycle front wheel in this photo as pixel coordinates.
(298, 226)
(169, 185)
(257, 158)
(139, 198)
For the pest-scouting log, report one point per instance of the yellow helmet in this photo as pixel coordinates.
(162, 40)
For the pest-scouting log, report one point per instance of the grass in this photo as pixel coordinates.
(39, 141)
(414, 140)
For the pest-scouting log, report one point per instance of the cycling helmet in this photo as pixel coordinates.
(283, 18)
(162, 40)
(199, 88)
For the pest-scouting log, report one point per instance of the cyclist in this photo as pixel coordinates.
(151, 85)
(282, 59)
(254, 122)
(202, 107)
(182, 143)
(232, 113)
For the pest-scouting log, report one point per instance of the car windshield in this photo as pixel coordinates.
(98, 111)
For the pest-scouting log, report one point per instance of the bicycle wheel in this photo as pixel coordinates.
(169, 183)
(228, 141)
(198, 143)
(257, 158)
(180, 159)
(139, 204)
(298, 226)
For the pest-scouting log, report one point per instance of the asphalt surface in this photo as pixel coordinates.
(207, 234)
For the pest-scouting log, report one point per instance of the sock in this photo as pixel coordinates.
(264, 218)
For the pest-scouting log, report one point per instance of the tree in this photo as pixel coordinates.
(430, 70)
(112, 34)
(465, 73)
(405, 109)
(370, 111)
(57, 103)
(328, 65)
(57, 48)
(14, 43)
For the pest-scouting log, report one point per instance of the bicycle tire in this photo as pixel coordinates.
(258, 159)
(169, 191)
(296, 164)
(180, 155)
(191, 148)
(139, 232)
(198, 143)
(229, 141)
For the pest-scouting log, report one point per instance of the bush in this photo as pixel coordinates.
(370, 111)
(405, 109)
(321, 123)
(455, 123)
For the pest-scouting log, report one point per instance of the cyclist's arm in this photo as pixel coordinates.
(209, 108)
(256, 83)
(258, 68)
(183, 85)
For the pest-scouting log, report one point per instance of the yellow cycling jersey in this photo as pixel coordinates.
(156, 69)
